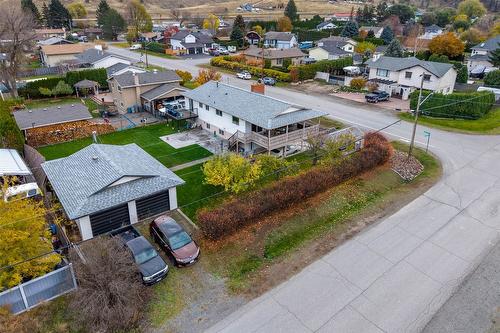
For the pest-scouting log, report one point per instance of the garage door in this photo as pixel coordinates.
(152, 205)
(109, 219)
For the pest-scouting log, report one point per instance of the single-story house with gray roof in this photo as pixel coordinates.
(52, 115)
(405, 75)
(104, 187)
(98, 58)
(251, 122)
(276, 57)
(280, 40)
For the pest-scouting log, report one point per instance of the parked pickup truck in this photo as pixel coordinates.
(151, 266)
(377, 96)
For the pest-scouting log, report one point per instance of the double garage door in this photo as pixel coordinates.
(119, 216)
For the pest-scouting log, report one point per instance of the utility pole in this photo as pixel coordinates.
(412, 142)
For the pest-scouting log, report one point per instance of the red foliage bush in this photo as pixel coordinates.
(236, 213)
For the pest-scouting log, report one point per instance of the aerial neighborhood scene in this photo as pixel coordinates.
(267, 166)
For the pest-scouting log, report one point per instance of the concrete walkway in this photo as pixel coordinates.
(188, 164)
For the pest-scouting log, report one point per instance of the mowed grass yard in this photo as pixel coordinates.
(147, 137)
(489, 124)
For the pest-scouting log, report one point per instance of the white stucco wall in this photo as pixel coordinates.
(172, 194)
(84, 227)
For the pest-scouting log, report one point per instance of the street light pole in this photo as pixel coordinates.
(412, 142)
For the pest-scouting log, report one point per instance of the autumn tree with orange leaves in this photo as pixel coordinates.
(448, 44)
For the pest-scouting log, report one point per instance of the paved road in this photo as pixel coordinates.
(394, 276)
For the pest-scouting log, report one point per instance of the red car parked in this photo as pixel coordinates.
(174, 240)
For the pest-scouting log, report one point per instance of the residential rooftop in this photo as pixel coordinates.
(488, 45)
(100, 177)
(397, 64)
(258, 109)
(52, 115)
(93, 55)
(11, 164)
(128, 79)
(66, 48)
(276, 35)
(274, 53)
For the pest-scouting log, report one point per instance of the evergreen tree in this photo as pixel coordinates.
(100, 12)
(387, 35)
(291, 11)
(370, 34)
(112, 24)
(394, 49)
(495, 56)
(350, 29)
(359, 15)
(382, 13)
(58, 15)
(237, 35)
(240, 23)
(29, 6)
(44, 14)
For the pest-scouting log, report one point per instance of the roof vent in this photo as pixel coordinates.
(72, 105)
(95, 157)
(30, 111)
(44, 109)
(59, 107)
(155, 71)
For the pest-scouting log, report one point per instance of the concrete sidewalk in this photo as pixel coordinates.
(188, 164)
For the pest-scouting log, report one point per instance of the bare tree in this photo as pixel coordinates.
(180, 15)
(315, 143)
(110, 295)
(17, 35)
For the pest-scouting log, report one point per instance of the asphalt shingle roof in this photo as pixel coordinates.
(258, 109)
(433, 28)
(334, 47)
(160, 90)
(93, 55)
(85, 181)
(115, 68)
(40, 117)
(488, 45)
(54, 41)
(276, 35)
(397, 64)
(274, 53)
(127, 79)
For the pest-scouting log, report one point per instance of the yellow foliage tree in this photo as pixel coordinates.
(24, 234)
(363, 47)
(447, 44)
(471, 8)
(259, 30)
(205, 75)
(212, 23)
(284, 24)
(232, 171)
(77, 10)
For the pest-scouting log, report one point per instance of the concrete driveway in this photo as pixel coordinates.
(394, 276)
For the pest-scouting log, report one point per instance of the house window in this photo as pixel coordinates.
(236, 120)
(427, 77)
(382, 72)
(207, 107)
(200, 105)
(221, 132)
(408, 75)
(208, 126)
(218, 112)
(279, 61)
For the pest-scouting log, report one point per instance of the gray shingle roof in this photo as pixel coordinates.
(115, 68)
(258, 109)
(85, 181)
(199, 36)
(433, 28)
(334, 47)
(51, 115)
(397, 64)
(93, 55)
(127, 79)
(275, 35)
(488, 45)
(324, 23)
(54, 41)
(160, 90)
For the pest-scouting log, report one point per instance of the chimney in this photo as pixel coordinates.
(136, 78)
(258, 88)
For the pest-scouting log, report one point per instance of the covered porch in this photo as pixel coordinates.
(154, 100)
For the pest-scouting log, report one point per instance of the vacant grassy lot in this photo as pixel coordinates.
(147, 137)
(489, 124)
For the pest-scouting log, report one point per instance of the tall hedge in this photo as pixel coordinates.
(31, 89)
(10, 135)
(156, 47)
(466, 105)
(237, 66)
(309, 71)
(246, 210)
(96, 74)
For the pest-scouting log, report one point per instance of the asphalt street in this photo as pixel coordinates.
(396, 275)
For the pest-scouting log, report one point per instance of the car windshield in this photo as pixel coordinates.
(142, 257)
(179, 240)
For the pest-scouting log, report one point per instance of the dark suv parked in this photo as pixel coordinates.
(377, 96)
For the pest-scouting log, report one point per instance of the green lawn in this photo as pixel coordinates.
(489, 124)
(147, 137)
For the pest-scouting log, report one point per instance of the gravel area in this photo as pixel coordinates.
(407, 169)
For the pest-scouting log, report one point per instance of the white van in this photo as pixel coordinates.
(23, 191)
(135, 47)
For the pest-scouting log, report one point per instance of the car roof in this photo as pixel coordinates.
(168, 225)
(139, 244)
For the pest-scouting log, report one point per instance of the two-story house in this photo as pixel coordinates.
(480, 54)
(187, 42)
(145, 91)
(250, 121)
(401, 76)
(280, 40)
